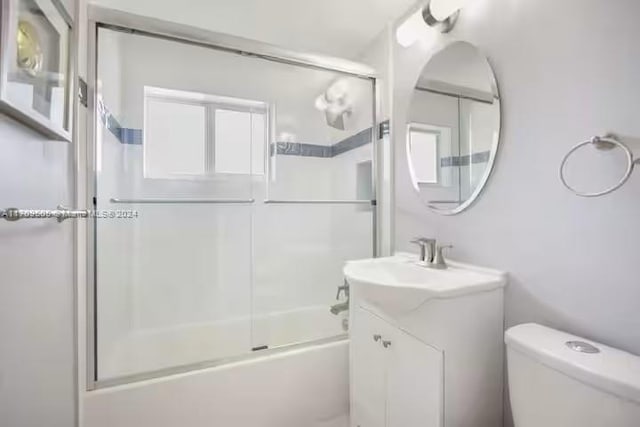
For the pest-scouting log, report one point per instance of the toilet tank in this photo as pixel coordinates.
(560, 380)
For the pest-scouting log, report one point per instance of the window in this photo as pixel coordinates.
(239, 142)
(189, 134)
(423, 154)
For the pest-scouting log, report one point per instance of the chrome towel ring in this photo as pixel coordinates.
(604, 143)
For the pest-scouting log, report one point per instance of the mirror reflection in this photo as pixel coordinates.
(453, 128)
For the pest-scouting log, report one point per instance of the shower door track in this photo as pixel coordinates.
(100, 17)
(215, 363)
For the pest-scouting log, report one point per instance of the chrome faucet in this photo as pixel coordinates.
(424, 244)
(432, 254)
(343, 306)
(344, 288)
(339, 308)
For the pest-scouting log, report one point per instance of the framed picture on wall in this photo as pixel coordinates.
(35, 65)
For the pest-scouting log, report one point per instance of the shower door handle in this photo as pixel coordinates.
(61, 213)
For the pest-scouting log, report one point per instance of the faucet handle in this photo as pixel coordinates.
(423, 240)
(344, 288)
(438, 260)
(423, 243)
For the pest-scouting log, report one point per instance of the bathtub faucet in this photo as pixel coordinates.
(340, 307)
(343, 306)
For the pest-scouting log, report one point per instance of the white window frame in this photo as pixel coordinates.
(211, 104)
(429, 129)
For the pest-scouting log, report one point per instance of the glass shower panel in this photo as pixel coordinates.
(300, 251)
(322, 132)
(173, 283)
(251, 181)
(318, 212)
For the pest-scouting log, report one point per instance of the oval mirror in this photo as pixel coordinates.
(453, 128)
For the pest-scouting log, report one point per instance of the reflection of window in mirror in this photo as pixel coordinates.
(423, 149)
(428, 146)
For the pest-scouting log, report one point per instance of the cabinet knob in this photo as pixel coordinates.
(377, 337)
(386, 344)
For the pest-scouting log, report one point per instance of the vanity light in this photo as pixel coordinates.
(438, 14)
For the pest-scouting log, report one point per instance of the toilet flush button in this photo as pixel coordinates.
(582, 347)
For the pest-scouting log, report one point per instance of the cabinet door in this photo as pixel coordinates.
(368, 369)
(415, 383)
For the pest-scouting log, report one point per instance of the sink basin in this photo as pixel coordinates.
(401, 283)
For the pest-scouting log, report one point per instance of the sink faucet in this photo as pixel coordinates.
(343, 306)
(424, 243)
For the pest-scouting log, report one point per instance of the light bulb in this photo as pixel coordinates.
(409, 31)
(442, 9)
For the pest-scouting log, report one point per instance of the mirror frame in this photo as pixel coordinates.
(495, 146)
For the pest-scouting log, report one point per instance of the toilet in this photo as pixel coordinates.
(560, 380)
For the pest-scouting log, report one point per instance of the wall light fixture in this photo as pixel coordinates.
(438, 14)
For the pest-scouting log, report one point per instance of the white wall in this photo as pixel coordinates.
(37, 312)
(567, 71)
(37, 385)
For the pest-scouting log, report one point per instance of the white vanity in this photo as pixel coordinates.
(426, 345)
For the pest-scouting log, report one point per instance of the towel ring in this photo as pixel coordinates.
(607, 142)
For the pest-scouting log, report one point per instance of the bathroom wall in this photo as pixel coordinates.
(567, 71)
(36, 297)
(37, 312)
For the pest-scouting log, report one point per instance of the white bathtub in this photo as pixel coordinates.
(147, 350)
(306, 387)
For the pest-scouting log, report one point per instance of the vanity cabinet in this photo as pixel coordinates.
(396, 379)
(426, 345)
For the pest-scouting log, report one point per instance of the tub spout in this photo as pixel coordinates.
(339, 308)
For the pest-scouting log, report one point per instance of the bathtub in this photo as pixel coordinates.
(305, 387)
(301, 386)
(149, 351)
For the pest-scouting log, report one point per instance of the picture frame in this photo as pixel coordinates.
(36, 74)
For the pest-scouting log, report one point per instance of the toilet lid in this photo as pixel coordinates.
(611, 370)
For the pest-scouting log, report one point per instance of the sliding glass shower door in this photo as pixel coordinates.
(233, 189)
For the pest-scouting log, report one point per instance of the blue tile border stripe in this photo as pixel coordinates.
(358, 140)
(133, 136)
(466, 160)
(301, 149)
(313, 150)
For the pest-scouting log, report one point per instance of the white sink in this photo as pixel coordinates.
(401, 283)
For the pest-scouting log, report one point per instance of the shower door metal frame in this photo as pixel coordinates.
(100, 17)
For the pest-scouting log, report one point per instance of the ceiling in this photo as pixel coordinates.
(341, 28)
